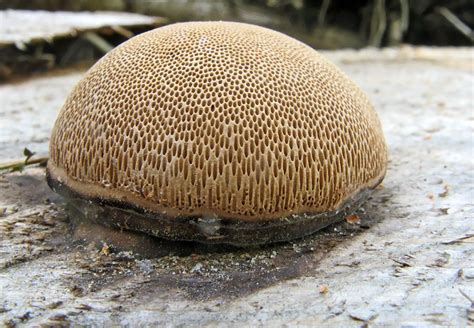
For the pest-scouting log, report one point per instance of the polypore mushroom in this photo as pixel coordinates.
(217, 132)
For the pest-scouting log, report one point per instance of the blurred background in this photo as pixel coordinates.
(323, 24)
(328, 24)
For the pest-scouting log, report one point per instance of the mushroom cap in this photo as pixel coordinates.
(218, 119)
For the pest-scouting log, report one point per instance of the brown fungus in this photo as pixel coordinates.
(217, 132)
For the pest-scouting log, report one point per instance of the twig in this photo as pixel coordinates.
(456, 22)
(458, 240)
(467, 296)
(20, 164)
(404, 16)
(122, 31)
(323, 11)
(378, 23)
(402, 263)
(98, 41)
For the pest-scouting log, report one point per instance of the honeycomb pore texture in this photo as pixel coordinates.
(218, 118)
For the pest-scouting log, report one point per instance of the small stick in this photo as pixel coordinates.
(458, 240)
(378, 23)
(322, 12)
(18, 165)
(467, 296)
(99, 42)
(456, 22)
(122, 31)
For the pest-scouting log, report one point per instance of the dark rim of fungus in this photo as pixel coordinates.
(206, 229)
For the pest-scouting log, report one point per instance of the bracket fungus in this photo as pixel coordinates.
(216, 132)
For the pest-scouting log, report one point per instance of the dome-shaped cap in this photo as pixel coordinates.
(217, 119)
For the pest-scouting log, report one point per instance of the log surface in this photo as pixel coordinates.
(408, 261)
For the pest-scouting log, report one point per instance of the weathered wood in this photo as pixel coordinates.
(32, 41)
(409, 261)
(22, 27)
